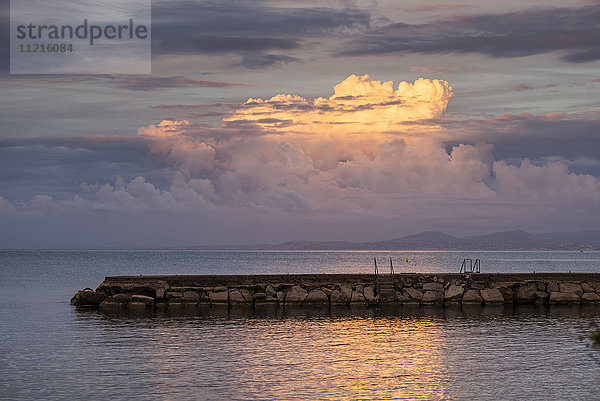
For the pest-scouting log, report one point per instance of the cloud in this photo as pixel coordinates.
(572, 31)
(526, 87)
(205, 27)
(523, 87)
(130, 82)
(371, 151)
(535, 136)
(255, 61)
(143, 83)
(360, 107)
(436, 7)
(165, 128)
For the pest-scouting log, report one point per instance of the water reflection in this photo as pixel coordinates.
(395, 353)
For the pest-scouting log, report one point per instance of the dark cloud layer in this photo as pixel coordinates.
(235, 26)
(535, 136)
(574, 31)
(58, 166)
(126, 81)
(150, 83)
(255, 61)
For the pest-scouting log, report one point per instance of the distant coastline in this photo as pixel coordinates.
(517, 240)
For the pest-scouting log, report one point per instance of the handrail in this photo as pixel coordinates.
(376, 274)
(392, 276)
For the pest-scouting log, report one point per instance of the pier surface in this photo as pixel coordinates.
(307, 290)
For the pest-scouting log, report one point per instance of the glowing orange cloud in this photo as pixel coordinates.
(165, 128)
(359, 105)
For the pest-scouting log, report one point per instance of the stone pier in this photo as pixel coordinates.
(309, 290)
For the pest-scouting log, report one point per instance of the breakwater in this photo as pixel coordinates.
(307, 290)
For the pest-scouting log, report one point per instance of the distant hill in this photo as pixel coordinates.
(424, 240)
(436, 240)
(517, 239)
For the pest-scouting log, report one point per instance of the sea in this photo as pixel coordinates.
(50, 350)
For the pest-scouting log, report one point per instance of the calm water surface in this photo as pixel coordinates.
(50, 350)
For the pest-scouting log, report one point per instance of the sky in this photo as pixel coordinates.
(271, 121)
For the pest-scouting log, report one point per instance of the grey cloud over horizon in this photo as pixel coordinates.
(572, 31)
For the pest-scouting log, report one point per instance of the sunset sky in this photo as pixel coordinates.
(270, 121)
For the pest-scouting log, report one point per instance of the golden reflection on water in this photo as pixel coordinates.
(308, 358)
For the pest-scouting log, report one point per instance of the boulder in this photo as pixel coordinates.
(326, 290)
(174, 294)
(220, 297)
(433, 287)
(236, 297)
(121, 297)
(507, 293)
(338, 298)
(472, 297)
(295, 295)
(346, 289)
(87, 298)
(432, 297)
(270, 291)
(369, 293)
(453, 293)
(357, 298)
(316, 297)
(405, 299)
(564, 298)
(281, 297)
(192, 296)
(552, 287)
(541, 286)
(541, 297)
(144, 299)
(571, 287)
(204, 298)
(590, 297)
(116, 300)
(412, 293)
(525, 293)
(586, 287)
(492, 296)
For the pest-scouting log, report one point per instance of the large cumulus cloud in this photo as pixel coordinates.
(371, 150)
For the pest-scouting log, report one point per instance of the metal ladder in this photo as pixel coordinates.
(385, 283)
(469, 267)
